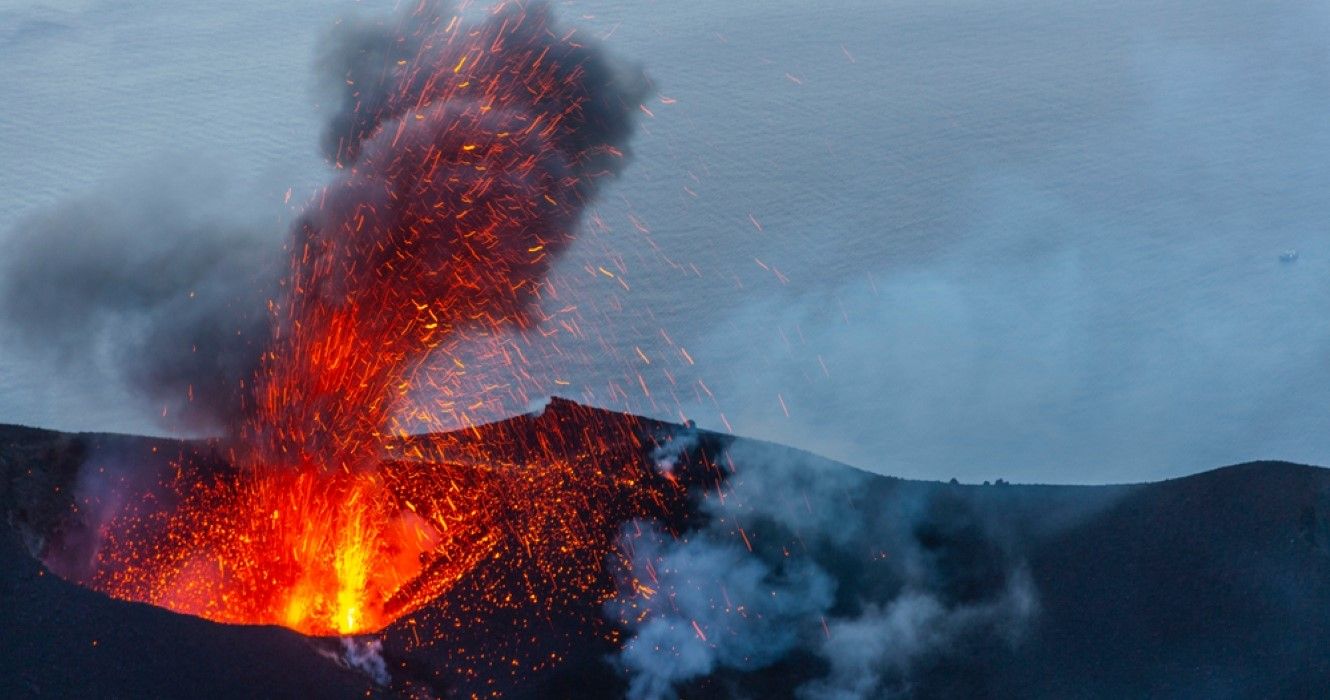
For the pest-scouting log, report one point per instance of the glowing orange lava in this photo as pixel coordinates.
(464, 173)
(316, 552)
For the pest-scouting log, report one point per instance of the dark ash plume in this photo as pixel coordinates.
(178, 296)
(154, 278)
(466, 154)
(377, 70)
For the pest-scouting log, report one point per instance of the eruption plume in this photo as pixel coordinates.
(466, 158)
(465, 153)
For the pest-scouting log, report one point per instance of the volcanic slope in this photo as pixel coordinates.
(1213, 585)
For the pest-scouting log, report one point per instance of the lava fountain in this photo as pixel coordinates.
(465, 155)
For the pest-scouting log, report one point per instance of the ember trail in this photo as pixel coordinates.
(465, 155)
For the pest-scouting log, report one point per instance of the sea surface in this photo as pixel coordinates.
(1043, 241)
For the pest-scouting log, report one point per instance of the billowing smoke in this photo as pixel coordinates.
(467, 154)
(777, 573)
(363, 654)
(666, 455)
(381, 69)
(883, 651)
(464, 154)
(708, 603)
(158, 278)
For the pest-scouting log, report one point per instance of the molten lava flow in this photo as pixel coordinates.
(464, 166)
(315, 552)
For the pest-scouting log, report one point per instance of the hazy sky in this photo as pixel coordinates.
(1028, 240)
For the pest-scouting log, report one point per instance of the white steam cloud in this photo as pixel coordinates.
(765, 579)
(709, 603)
(362, 654)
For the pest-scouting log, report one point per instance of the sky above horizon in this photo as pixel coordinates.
(1008, 239)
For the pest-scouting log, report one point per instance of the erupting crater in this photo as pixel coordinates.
(465, 154)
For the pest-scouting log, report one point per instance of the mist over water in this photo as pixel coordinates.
(1021, 240)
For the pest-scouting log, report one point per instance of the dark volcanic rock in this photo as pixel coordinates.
(1214, 585)
(58, 640)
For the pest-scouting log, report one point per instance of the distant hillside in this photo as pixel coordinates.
(1210, 586)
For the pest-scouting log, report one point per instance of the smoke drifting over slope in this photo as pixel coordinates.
(792, 565)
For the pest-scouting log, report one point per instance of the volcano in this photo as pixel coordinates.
(1212, 585)
(416, 289)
